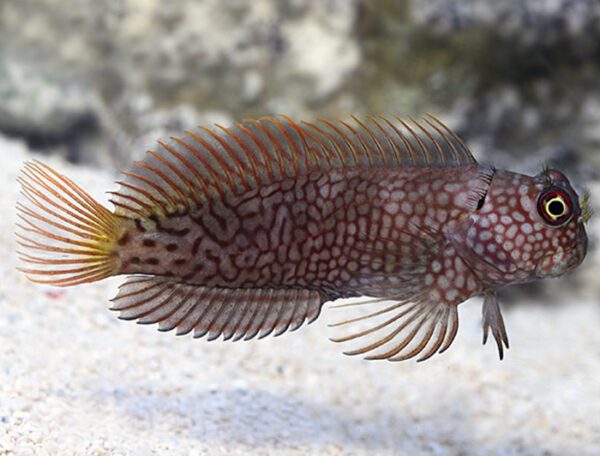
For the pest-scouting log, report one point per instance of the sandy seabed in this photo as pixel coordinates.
(75, 380)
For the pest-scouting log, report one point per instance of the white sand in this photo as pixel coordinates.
(75, 380)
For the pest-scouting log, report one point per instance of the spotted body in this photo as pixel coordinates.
(249, 230)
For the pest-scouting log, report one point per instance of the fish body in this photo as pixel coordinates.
(344, 233)
(247, 231)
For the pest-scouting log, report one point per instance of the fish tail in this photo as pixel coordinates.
(65, 236)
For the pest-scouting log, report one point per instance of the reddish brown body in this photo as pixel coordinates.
(249, 230)
(344, 233)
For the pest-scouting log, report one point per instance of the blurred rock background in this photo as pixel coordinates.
(97, 81)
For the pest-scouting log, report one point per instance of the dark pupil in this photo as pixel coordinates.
(556, 208)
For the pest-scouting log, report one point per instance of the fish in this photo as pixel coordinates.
(244, 231)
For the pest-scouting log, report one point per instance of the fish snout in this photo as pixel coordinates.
(563, 260)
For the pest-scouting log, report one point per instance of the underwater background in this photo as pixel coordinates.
(89, 85)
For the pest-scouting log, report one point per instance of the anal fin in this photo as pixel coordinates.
(233, 313)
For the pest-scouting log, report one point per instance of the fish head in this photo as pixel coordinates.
(562, 216)
(529, 227)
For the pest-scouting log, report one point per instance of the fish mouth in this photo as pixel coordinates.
(561, 261)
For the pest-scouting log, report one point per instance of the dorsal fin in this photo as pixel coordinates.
(210, 163)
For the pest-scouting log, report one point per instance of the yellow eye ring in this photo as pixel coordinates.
(555, 207)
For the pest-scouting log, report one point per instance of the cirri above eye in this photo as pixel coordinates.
(555, 206)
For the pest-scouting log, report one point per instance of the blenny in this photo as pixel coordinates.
(248, 230)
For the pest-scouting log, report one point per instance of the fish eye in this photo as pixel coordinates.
(555, 206)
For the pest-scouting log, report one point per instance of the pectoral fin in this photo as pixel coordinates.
(418, 325)
(411, 329)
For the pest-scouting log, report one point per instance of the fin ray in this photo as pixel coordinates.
(492, 320)
(422, 319)
(212, 162)
(214, 312)
(62, 225)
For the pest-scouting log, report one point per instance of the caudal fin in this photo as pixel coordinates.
(65, 236)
